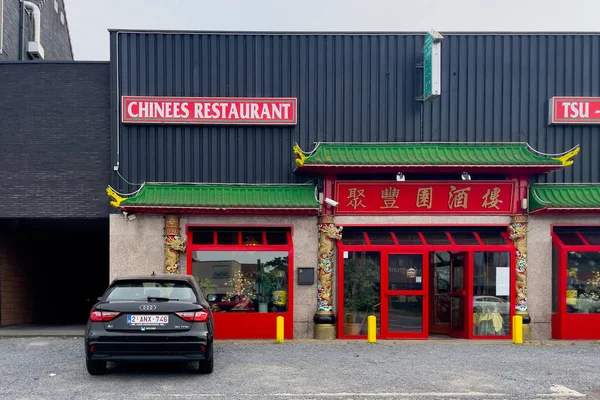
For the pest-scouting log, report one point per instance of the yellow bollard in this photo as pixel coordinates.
(517, 329)
(279, 330)
(372, 329)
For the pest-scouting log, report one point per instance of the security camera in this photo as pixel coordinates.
(331, 202)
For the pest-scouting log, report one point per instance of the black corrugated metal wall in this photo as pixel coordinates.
(350, 87)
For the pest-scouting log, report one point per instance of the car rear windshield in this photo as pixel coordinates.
(141, 290)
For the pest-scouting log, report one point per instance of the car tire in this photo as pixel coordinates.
(95, 367)
(205, 366)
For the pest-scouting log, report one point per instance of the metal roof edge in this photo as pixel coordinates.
(565, 184)
(357, 33)
(202, 184)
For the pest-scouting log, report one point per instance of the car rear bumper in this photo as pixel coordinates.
(148, 351)
(166, 347)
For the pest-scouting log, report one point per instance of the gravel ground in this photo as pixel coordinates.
(54, 368)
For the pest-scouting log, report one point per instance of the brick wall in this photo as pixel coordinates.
(16, 293)
(54, 32)
(54, 140)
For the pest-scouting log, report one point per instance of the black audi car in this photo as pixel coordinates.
(150, 318)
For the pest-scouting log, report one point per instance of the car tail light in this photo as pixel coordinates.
(102, 316)
(92, 348)
(198, 316)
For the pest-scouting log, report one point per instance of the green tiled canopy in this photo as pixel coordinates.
(429, 154)
(222, 197)
(584, 197)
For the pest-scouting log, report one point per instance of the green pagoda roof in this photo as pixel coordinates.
(567, 197)
(419, 156)
(219, 198)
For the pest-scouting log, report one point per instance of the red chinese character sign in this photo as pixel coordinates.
(426, 197)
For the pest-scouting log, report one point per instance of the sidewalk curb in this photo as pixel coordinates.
(503, 342)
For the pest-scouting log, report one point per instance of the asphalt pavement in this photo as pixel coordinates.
(54, 368)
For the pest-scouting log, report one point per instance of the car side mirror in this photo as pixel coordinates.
(99, 298)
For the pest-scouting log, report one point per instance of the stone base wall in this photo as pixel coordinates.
(137, 247)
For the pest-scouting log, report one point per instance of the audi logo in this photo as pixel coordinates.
(147, 307)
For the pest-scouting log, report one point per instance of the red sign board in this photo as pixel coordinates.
(208, 110)
(575, 110)
(425, 197)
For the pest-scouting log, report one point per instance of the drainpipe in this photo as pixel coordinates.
(35, 10)
(34, 48)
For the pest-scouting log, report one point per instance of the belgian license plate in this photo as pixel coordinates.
(147, 320)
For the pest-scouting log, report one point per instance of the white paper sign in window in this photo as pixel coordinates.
(502, 281)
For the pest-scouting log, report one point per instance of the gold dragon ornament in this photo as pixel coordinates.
(174, 246)
(327, 234)
(518, 235)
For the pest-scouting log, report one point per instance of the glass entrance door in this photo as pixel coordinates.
(458, 294)
(404, 293)
(439, 289)
(361, 271)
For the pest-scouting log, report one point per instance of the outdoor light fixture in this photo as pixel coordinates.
(400, 177)
(465, 176)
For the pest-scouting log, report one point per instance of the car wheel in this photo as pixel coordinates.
(205, 367)
(95, 367)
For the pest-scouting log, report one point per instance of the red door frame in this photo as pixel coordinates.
(567, 326)
(386, 293)
(384, 250)
(251, 325)
(467, 294)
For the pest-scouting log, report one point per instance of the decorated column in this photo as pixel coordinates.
(324, 317)
(518, 235)
(174, 245)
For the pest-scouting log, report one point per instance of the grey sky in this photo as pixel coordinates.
(89, 20)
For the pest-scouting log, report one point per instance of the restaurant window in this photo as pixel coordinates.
(362, 278)
(242, 271)
(580, 264)
(491, 291)
(583, 282)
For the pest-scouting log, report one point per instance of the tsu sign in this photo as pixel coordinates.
(208, 110)
(575, 110)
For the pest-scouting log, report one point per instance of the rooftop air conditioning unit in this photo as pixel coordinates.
(35, 50)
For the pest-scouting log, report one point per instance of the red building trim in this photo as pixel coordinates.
(219, 210)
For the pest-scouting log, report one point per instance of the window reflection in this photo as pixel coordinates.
(405, 272)
(405, 313)
(362, 279)
(243, 281)
(491, 290)
(583, 282)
